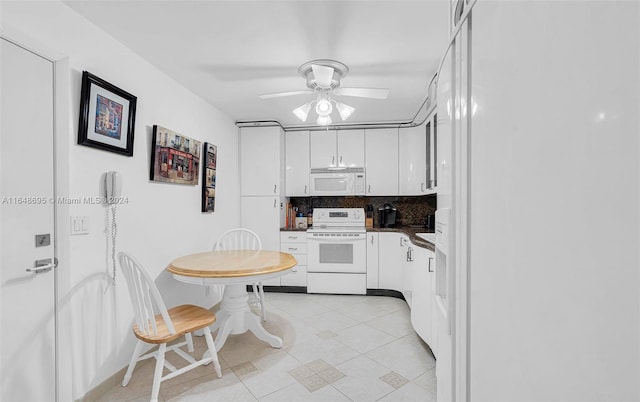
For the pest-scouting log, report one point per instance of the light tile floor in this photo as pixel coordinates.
(336, 348)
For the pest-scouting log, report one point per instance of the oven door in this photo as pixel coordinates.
(337, 252)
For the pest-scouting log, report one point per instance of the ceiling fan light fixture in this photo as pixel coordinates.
(323, 120)
(324, 107)
(345, 110)
(302, 112)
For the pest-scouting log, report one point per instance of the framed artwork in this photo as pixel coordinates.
(107, 116)
(175, 158)
(209, 177)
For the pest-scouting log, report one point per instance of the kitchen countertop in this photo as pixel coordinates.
(407, 230)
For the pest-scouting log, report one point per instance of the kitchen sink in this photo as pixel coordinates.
(430, 237)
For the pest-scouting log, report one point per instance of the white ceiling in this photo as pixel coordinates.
(229, 52)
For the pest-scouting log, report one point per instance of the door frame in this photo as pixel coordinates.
(61, 149)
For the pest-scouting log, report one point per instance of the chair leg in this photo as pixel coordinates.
(189, 339)
(132, 363)
(264, 311)
(157, 376)
(212, 351)
(256, 294)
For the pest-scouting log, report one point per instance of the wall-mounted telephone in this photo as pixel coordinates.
(112, 187)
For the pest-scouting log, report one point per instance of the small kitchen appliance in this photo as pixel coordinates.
(387, 216)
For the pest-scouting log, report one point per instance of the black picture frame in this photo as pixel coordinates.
(175, 158)
(107, 116)
(209, 173)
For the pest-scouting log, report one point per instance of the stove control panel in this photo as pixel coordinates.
(338, 216)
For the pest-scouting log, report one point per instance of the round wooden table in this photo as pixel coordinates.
(235, 269)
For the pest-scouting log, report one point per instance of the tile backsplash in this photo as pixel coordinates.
(410, 210)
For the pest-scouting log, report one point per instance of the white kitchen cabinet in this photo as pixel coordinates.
(331, 148)
(297, 163)
(372, 260)
(423, 296)
(390, 260)
(261, 161)
(295, 243)
(264, 216)
(381, 151)
(350, 151)
(412, 146)
(408, 269)
(431, 128)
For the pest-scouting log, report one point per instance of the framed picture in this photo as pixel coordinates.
(107, 116)
(209, 177)
(175, 158)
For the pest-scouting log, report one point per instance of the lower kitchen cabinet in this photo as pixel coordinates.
(390, 260)
(423, 284)
(408, 269)
(372, 261)
(295, 243)
(263, 215)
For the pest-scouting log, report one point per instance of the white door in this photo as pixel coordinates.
(262, 215)
(351, 148)
(297, 163)
(444, 254)
(260, 160)
(413, 160)
(27, 353)
(323, 149)
(381, 154)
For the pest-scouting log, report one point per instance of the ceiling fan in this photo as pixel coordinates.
(323, 78)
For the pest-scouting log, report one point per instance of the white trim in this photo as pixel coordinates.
(61, 128)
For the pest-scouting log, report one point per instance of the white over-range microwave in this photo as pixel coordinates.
(346, 181)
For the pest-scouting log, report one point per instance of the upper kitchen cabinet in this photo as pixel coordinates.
(297, 163)
(261, 161)
(381, 149)
(413, 162)
(432, 153)
(331, 148)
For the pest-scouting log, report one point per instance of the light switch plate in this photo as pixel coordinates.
(79, 225)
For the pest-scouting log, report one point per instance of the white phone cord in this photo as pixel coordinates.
(114, 232)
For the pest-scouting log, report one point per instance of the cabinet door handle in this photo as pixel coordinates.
(340, 159)
(275, 186)
(372, 240)
(430, 259)
(333, 160)
(410, 251)
(305, 189)
(274, 202)
(421, 186)
(369, 189)
(293, 248)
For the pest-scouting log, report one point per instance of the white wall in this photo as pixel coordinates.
(160, 222)
(555, 201)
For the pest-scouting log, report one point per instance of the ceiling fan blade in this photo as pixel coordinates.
(375, 93)
(322, 74)
(280, 94)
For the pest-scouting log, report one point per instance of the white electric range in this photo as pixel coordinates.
(337, 251)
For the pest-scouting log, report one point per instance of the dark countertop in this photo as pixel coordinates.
(407, 230)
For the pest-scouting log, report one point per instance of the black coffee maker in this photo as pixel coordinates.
(387, 216)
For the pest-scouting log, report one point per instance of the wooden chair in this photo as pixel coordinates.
(156, 325)
(244, 239)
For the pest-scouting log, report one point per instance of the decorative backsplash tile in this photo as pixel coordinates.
(410, 210)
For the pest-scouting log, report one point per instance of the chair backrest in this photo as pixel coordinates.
(238, 239)
(145, 297)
